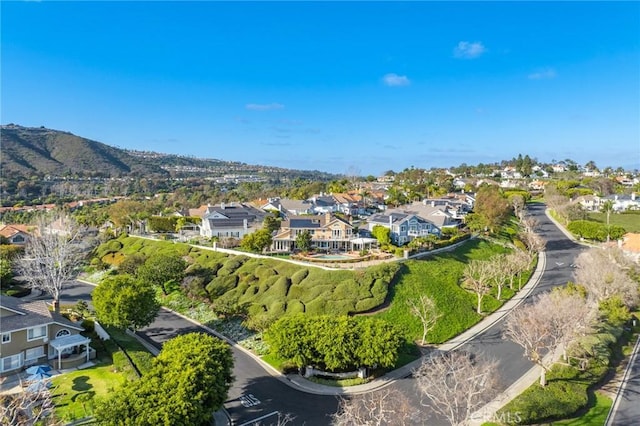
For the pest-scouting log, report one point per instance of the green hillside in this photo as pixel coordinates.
(30, 150)
(266, 286)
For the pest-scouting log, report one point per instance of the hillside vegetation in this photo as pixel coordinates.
(439, 278)
(28, 150)
(265, 286)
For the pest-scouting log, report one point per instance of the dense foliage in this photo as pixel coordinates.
(595, 231)
(189, 380)
(334, 343)
(123, 301)
(262, 288)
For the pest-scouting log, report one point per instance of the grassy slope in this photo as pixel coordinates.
(438, 277)
(630, 222)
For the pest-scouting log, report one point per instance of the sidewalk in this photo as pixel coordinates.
(298, 382)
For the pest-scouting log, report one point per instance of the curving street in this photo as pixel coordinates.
(260, 395)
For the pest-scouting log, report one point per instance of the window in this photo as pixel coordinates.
(11, 362)
(6, 337)
(34, 353)
(37, 332)
(18, 239)
(63, 332)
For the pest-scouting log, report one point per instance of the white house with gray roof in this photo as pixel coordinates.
(403, 225)
(233, 220)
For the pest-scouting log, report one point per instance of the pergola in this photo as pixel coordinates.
(69, 341)
(362, 243)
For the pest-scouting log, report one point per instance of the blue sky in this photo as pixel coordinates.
(332, 86)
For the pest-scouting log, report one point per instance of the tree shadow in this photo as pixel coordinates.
(81, 383)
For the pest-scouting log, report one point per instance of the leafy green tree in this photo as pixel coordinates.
(303, 241)
(131, 264)
(190, 379)
(6, 271)
(257, 241)
(163, 270)
(382, 234)
(271, 222)
(491, 206)
(125, 302)
(334, 342)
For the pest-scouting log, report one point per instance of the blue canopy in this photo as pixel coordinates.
(37, 369)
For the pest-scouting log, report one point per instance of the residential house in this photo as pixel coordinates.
(403, 225)
(591, 203)
(630, 246)
(233, 220)
(324, 204)
(328, 232)
(32, 334)
(625, 202)
(16, 233)
(442, 215)
(288, 207)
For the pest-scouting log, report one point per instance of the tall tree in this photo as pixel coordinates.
(607, 208)
(491, 206)
(125, 302)
(189, 379)
(547, 325)
(53, 256)
(257, 241)
(426, 310)
(456, 384)
(163, 270)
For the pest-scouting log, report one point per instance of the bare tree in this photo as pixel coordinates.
(517, 202)
(27, 408)
(530, 223)
(534, 242)
(427, 312)
(605, 273)
(500, 272)
(515, 264)
(384, 407)
(547, 325)
(52, 258)
(477, 277)
(456, 385)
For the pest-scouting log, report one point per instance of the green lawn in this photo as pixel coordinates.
(94, 382)
(74, 392)
(596, 415)
(438, 277)
(629, 221)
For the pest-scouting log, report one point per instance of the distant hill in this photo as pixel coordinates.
(32, 150)
(29, 151)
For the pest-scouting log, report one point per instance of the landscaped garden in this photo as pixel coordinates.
(75, 393)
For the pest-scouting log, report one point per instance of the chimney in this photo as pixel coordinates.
(327, 217)
(222, 206)
(633, 196)
(244, 224)
(390, 221)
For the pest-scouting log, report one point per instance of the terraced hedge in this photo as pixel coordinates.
(265, 285)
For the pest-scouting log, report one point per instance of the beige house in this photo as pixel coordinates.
(16, 233)
(32, 334)
(328, 232)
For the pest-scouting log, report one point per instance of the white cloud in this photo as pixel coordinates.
(546, 73)
(393, 80)
(468, 50)
(264, 107)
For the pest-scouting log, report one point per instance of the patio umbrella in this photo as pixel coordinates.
(38, 377)
(37, 369)
(37, 387)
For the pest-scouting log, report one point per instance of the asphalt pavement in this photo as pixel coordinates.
(626, 406)
(259, 395)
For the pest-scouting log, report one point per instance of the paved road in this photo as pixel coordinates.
(256, 394)
(626, 408)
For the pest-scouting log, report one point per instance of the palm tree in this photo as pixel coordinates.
(607, 207)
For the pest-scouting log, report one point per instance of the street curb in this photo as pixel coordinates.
(625, 379)
(301, 384)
